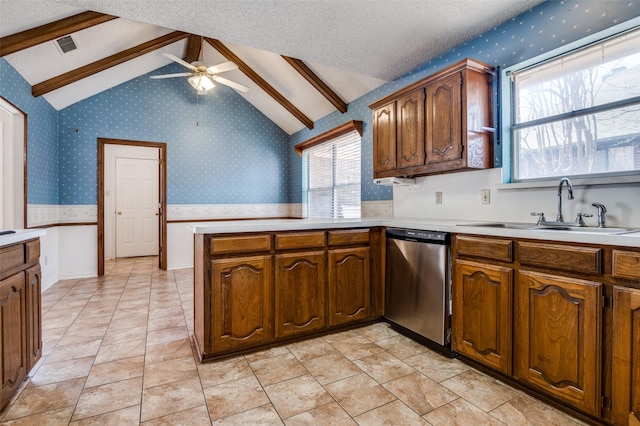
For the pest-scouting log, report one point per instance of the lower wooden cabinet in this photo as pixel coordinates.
(481, 319)
(34, 312)
(300, 290)
(242, 302)
(558, 329)
(626, 356)
(13, 334)
(349, 285)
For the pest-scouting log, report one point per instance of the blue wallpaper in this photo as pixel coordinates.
(220, 149)
(42, 141)
(546, 27)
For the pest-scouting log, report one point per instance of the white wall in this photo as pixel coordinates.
(461, 200)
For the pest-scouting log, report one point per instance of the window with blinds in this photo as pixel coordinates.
(331, 178)
(578, 114)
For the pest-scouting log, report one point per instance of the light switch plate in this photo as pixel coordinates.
(485, 196)
(438, 197)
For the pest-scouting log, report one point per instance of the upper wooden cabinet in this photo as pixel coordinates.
(436, 125)
(384, 138)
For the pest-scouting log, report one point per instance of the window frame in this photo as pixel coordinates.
(506, 100)
(329, 137)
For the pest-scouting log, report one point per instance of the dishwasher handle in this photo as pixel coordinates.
(419, 236)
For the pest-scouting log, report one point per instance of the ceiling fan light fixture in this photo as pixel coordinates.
(201, 82)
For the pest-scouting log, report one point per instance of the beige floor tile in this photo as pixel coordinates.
(420, 393)
(166, 336)
(61, 371)
(369, 395)
(309, 349)
(383, 367)
(191, 417)
(173, 370)
(331, 368)
(357, 347)
(377, 331)
(114, 371)
(460, 413)
(95, 322)
(401, 347)
(328, 414)
(172, 350)
(129, 416)
(65, 353)
(110, 397)
(480, 390)
(121, 351)
(117, 336)
(165, 312)
(526, 411)
(297, 395)
(264, 415)
(435, 366)
(234, 397)
(79, 337)
(266, 353)
(393, 413)
(167, 322)
(171, 398)
(38, 399)
(125, 322)
(277, 369)
(218, 372)
(342, 335)
(59, 417)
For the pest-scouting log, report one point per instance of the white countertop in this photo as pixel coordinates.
(21, 235)
(453, 226)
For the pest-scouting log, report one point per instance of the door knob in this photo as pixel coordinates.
(119, 212)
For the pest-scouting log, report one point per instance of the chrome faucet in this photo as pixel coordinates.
(559, 218)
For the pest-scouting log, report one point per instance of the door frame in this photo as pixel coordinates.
(162, 197)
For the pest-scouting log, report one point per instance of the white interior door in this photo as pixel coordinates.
(136, 207)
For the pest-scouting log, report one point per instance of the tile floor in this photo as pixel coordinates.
(117, 351)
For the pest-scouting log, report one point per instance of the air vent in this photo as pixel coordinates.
(66, 44)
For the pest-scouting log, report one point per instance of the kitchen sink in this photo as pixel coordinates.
(567, 228)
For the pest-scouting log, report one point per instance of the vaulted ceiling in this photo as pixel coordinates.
(301, 60)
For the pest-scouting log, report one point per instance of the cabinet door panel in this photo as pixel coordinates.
(300, 293)
(349, 285)
(242, 302)
(34, 316)
(481, 318)
(626, 356)
(558, 337)
(444, 119)
(384, 138)
(410, 116)
(13, 330)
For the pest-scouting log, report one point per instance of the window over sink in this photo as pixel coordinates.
(576, 113)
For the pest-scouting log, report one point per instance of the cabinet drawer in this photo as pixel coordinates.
(299, 240)
(11, 257)
(352, 236)
(626, 264)
(240, 244)
(485, 247)
(567, 258)
(32, 253)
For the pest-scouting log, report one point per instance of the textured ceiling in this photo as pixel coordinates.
(353, 45)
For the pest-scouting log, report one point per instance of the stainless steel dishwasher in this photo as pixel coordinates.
(418, 285)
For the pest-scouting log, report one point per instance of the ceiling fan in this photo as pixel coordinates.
(202, 77)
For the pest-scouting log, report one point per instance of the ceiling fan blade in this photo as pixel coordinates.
(225, 66)
(230, 83)
(180, 74)
(180, 61)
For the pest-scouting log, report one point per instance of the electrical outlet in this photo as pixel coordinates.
(438, 197)
(485, 196)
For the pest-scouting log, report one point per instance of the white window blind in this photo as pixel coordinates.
(331, 178)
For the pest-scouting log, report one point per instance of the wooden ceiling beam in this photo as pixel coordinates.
(262, 83)
(194, 46)
(105, 63)
(51, 31)
(316, 82)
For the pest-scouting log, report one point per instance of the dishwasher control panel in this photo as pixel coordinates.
(418, 235)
